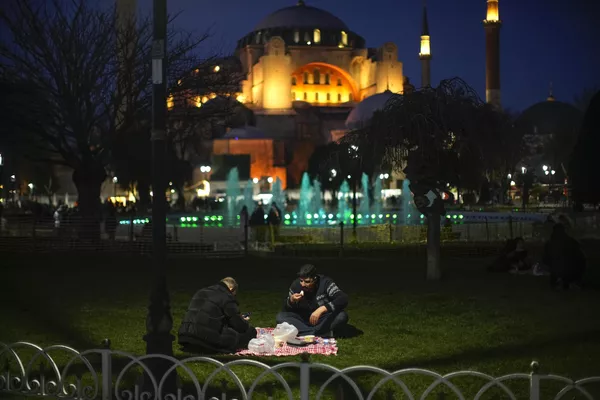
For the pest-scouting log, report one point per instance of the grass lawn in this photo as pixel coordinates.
(492, 323)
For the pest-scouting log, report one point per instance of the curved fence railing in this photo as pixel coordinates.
(62, 372)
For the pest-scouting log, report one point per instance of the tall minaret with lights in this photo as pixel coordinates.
(492, 26)
(425, 53)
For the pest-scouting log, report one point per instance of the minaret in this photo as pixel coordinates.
(126, 10)
(425, 53)
(126, 32)
(551, 95)
(492, 26)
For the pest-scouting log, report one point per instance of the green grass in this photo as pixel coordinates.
(492, 323)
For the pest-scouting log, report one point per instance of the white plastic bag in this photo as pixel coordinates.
(263, 344)
(284, 332)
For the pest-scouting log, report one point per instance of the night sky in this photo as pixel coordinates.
(541, 41)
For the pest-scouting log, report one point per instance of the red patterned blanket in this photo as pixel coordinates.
(325, 347)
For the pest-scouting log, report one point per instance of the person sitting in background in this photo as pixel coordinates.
(513, 258)
(315, 304)
(213, 324)
(564, 258)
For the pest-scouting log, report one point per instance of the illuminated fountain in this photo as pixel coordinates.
(409, 211)
(232, 192)
(278, 195)
(248, 194)
(364, 208)
(304, 203)
(377, 200)
(343, 213)
(317, 199)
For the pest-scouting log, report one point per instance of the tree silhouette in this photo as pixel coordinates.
(85, 77)
(583, 171)
(438, 136)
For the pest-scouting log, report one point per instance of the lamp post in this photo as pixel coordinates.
(3, 192)
(159, 321)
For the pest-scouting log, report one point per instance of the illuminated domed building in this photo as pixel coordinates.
(304, 71)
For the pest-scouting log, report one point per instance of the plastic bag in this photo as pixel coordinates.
(284, 332)
(263, 344)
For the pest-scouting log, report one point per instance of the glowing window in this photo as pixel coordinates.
(317, 36)
(317, 77)
(305, 77)
(296, 36)
(344, 38)
(349, 96)
(294, 81)
(327, 79)
(305, 96)
(294, 96)
(339, 82)
(328, 97)
(339, 97)
(316, 96)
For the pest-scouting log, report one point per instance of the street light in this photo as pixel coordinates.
(30, 186)
(159, 320)
(270, 179)
(545, 168)
(255, 180)
(115, 179)
(205, 168)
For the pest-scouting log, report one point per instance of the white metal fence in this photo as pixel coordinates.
(62, 372)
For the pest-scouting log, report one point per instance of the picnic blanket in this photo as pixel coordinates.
(325, 347)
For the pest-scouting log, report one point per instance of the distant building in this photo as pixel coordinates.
(303, 71)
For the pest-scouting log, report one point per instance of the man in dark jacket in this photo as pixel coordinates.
(315, 304)
(564, 258)
(213, 324)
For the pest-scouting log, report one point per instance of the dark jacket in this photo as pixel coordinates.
(326, 293)
(213, 320)
(564, 257)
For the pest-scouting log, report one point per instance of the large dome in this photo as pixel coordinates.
(301, 16)
(360, 116)
(550, 117)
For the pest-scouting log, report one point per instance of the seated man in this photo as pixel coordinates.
(213, 324)
(315, 304)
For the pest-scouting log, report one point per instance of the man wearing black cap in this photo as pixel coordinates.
(315, 304)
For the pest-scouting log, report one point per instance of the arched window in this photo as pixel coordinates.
(293, 96)
(344, 38)
(296, 36)
(317, 36)
(328, 96)
(316, 96)
(305, 96)
(294, 81)
(339, 97)
(306, 78)
(327, 78)
(317, 76)
(350, 97)
(339, 82)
